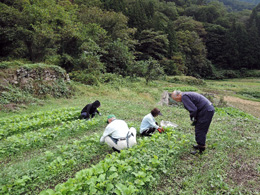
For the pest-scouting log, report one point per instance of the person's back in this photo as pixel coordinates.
(147, 122)
(197, 99)
(120, 128)
(117, 134)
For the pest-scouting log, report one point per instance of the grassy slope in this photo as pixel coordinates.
(230, 165)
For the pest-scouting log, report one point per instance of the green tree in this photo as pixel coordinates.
(184, 23)
(114, 23)
(194, 54)
(169, 66)
(115, 5)
(88, 3)
(215, 40)
(171, 36)
(118, 58)
(137, 15)
(11, 36)
(152, 70)
(152, 44)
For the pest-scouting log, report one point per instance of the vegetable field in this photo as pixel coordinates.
(54, 152)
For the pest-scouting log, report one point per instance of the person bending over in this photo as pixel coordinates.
(201, 113)
(90, 110)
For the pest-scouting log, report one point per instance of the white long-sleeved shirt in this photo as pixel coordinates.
(148, 122)
(116, 129)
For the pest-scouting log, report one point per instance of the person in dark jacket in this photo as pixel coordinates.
(90, 110)
(201, 113)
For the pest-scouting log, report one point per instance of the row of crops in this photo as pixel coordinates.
(76, 163)
(113, 173)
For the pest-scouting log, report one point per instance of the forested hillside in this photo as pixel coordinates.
(145, 38)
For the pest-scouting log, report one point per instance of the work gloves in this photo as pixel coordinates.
(160, 129)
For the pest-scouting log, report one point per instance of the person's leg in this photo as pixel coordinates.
(132, 139)
(92, 115)
(201, 130)
(133, 130)
(118, 146)
(121, 145)
(148, 132)
(83, 115)
(110, 142)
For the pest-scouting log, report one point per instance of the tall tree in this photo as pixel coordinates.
(194, 52)
(152, 44)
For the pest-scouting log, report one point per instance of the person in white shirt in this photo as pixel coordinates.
(149, 125)
(117, 134)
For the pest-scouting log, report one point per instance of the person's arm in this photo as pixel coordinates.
(152, 123)
(98, 112)
(107, 132)
(188, 104)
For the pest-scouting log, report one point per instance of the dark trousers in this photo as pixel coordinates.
(85, 115)
(148, 132)
(202, 126)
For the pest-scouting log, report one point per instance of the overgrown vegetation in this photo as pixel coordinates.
(23, 83)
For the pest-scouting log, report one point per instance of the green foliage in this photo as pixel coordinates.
(84, 77)
(249, 93)
(25, 123)
(152, 71)
(88, 3)
(186, 80)
(206, 13)
(183, 89)
(111, 78)
(118, 58)
(242, 73)
(152, 44)
(53, 164)
(54, 152)
(40, 138)
(47, 81)
(132, 169)
(12, 94)
(233, 112)
(169, 66)
(188, 35)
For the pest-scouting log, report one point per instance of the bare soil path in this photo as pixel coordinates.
(245, 105)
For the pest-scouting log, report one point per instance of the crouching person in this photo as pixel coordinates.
(117, 134)
(149, 125)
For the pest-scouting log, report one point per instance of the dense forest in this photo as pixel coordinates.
(90, 38)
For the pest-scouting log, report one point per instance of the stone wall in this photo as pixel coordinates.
(22, 84)
(23, 76)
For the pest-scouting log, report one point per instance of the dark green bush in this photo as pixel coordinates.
(186, 80)
(183, 89)
(109, 77)
(84, 77)
(11, 94)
